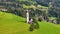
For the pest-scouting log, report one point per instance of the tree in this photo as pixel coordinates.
(34, 25)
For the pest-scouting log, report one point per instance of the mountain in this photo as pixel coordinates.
(19, 7)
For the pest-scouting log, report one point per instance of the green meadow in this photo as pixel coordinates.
(13, 24)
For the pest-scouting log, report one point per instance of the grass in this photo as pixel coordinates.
(12, 24)
(52, 18)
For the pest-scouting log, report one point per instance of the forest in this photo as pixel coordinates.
(48, 9)
(40, 10)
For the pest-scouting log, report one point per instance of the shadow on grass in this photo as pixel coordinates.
(22, 21)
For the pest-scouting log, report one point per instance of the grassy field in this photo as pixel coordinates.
(12, 24)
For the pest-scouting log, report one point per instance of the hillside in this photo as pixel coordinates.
(12, 24)
(45, 8)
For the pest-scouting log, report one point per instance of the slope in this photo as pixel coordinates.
(12, 24)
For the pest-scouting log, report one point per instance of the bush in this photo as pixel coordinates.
(34, 25)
